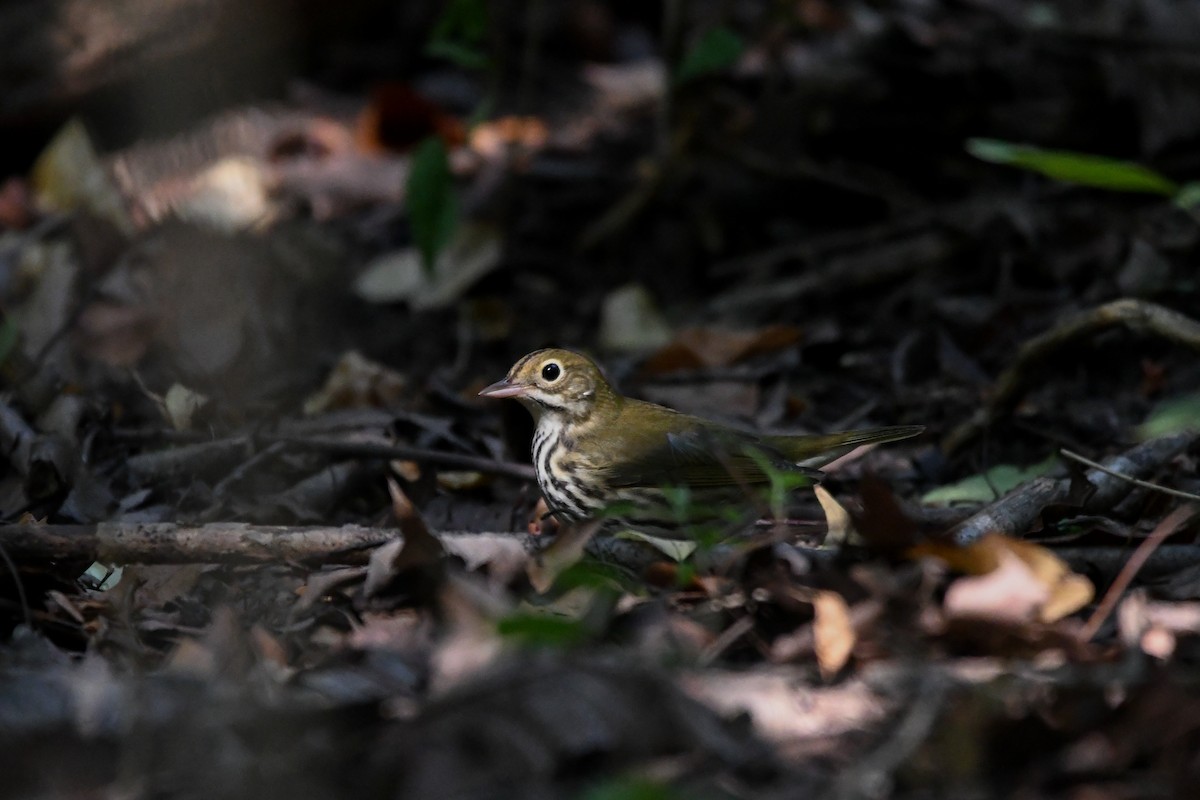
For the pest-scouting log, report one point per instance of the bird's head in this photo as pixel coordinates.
(554, 381)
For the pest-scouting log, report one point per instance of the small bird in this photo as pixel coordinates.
(598, 454)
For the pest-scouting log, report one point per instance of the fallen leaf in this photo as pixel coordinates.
(357, 382)
(840, 528)
(1010, 593)
(473, 252)
(985, 487)
(504, 556)
(70, 176)
(563, 552)
(421, 548)
(631, 322)
(417, 554)
(180, 404)
(1173, 415)
(1009, 580)
(833, 632)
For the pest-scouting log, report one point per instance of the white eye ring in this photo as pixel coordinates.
(551, 371)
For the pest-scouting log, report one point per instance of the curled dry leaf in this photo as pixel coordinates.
(565, 551)
(503, 556)
(840, 528)
(833, 632)
(1009, 580)
(1009, 593)
(357, 382)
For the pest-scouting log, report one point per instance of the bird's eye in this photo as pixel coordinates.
(551, 371)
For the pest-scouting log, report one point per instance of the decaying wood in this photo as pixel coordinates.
(166, 543)
(1016, 511)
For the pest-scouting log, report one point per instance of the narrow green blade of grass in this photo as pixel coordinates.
(1081, 168)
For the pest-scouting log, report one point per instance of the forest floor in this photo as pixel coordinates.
(262, 539)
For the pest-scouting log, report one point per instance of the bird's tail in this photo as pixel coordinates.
(819, 449)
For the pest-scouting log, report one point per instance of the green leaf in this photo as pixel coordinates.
(979, 488)
(1188, 197)
(718, 49)
(1063, 165)
(1174, 415)
(460, 33)
(544, 630)
(432, 203)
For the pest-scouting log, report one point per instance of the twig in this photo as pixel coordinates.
(1135, 481)
(728, 637)
(1017, 510)
(189, 459)
(1173, 522)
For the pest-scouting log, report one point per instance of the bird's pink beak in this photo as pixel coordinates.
(504, 388)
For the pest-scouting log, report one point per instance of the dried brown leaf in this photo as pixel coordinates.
(1009, 580)
(565, 551)
(357, 382)
(833, 632)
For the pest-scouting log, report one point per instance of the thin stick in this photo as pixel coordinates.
(1173, 521)
(1071, 454)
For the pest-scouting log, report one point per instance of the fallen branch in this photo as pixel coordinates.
(246, 543)
(169, 543)
(1016, 511)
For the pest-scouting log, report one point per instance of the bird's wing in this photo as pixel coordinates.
(695, 453)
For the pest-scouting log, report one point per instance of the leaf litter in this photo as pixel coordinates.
(253, 345)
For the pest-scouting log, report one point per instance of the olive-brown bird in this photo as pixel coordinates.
(595, 450)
